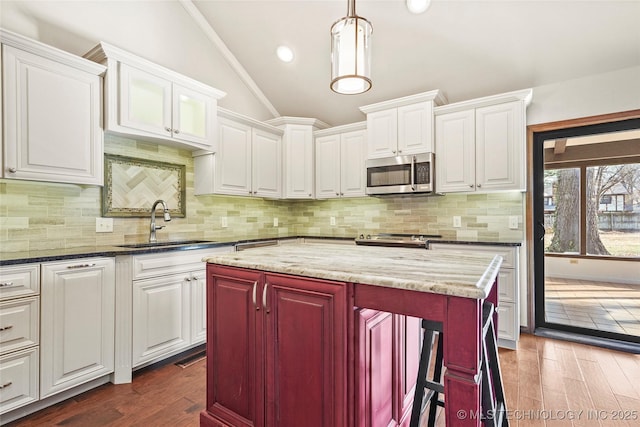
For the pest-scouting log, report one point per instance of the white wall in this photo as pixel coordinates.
(593, 269)
(588, 96)
(160, 31)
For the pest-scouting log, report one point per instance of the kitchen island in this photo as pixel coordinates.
(292, 337)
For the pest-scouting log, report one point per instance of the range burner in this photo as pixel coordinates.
(396, 240)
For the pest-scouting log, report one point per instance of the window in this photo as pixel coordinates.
(596, 209)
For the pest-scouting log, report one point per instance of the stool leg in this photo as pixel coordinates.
(423, 366)
(437, 377)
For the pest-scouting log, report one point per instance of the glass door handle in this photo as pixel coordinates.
(543, 231)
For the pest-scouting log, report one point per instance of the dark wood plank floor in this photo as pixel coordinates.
(547, 383)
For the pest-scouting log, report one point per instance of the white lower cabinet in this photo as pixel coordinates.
(508, 287)
(169, 303)
(18, 379)
(77, 323)
(19, 336)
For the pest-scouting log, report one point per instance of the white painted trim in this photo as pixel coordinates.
(615, 271)
(434, 95)
(524, 95)
(50, 52)
(226, 53)
(306, 121)
(231, 115)
(340, 129)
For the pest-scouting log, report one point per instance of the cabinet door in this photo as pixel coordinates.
(161, 317)
(198, 307)
(145, 101)
(235, 375)
(299, 162)
(328, 166)
(194, 117)
(50, 110)
(455, 152)
(233, 165)
(500, 147)
(77, 323)
(352, 164)
(382, 132)
(415, 128)
(375, 362)
(306, 355)
(19, 374)
(266, 168)
(408, 341)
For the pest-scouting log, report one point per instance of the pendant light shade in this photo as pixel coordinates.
(351, 53)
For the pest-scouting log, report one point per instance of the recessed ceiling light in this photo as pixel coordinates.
(285, 54)
(418, 6)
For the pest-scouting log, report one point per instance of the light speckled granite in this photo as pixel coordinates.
(443, 272)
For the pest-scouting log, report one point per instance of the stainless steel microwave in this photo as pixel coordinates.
(400, 175)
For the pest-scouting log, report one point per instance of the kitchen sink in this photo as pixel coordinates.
(164, 244)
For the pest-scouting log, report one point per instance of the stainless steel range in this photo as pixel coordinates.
(396, 240)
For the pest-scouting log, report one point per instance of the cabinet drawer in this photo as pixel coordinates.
(18, 379)
(19, 324)
(506, 285)
(19, 281)
(507, 321)
(152, 265)
(508, 254)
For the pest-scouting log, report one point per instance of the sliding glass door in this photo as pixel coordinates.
(587, 238)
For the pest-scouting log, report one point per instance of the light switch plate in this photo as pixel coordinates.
(223, 221)
(457, 222)
(513, 222)
(275, 222)
(332, 220)
(104, 225)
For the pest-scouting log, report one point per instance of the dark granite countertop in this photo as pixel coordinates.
(12, 258)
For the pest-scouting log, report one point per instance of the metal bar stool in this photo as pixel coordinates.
(494, 408)
(433, 387)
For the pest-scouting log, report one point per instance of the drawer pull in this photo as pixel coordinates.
(6, 328)
(93, 264)
(6, 284)
(5, 385)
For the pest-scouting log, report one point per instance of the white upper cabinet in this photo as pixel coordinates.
(340, 162)
(52, 106)
(248, 161)
(147, 101)
(298, 151)
(401, 126)
(480, 144)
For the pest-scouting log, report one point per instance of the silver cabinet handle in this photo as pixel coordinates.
(176, 131)
(309, 194)
(93, 264)
(393, 151)
(6, 284)
(5, 385)
(13, 170)
(6, 328)
(479, 185)
(337, 194)
(413, 173)
(399, 151)
(264, 297)
(342, 194)
(188, 279)
(255, 289)
(470, 185)
(168, 129)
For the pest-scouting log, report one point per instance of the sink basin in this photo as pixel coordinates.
(164, 244)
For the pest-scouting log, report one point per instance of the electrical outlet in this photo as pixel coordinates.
(332, 220)
(457, 222)
(104, 225)
(275, 222)
(513, 222)
(223, 221)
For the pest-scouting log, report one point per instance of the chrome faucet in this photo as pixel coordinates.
(154, 227)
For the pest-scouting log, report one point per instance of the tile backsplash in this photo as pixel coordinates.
(38, 215)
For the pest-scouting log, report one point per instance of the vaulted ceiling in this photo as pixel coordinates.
(465, 48)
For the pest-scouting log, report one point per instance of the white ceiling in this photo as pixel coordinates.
(466, 48)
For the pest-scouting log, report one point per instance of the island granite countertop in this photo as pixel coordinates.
(453, 272)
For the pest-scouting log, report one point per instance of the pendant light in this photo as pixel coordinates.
(351, 53)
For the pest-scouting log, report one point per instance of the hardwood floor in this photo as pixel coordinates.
(547, 383)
